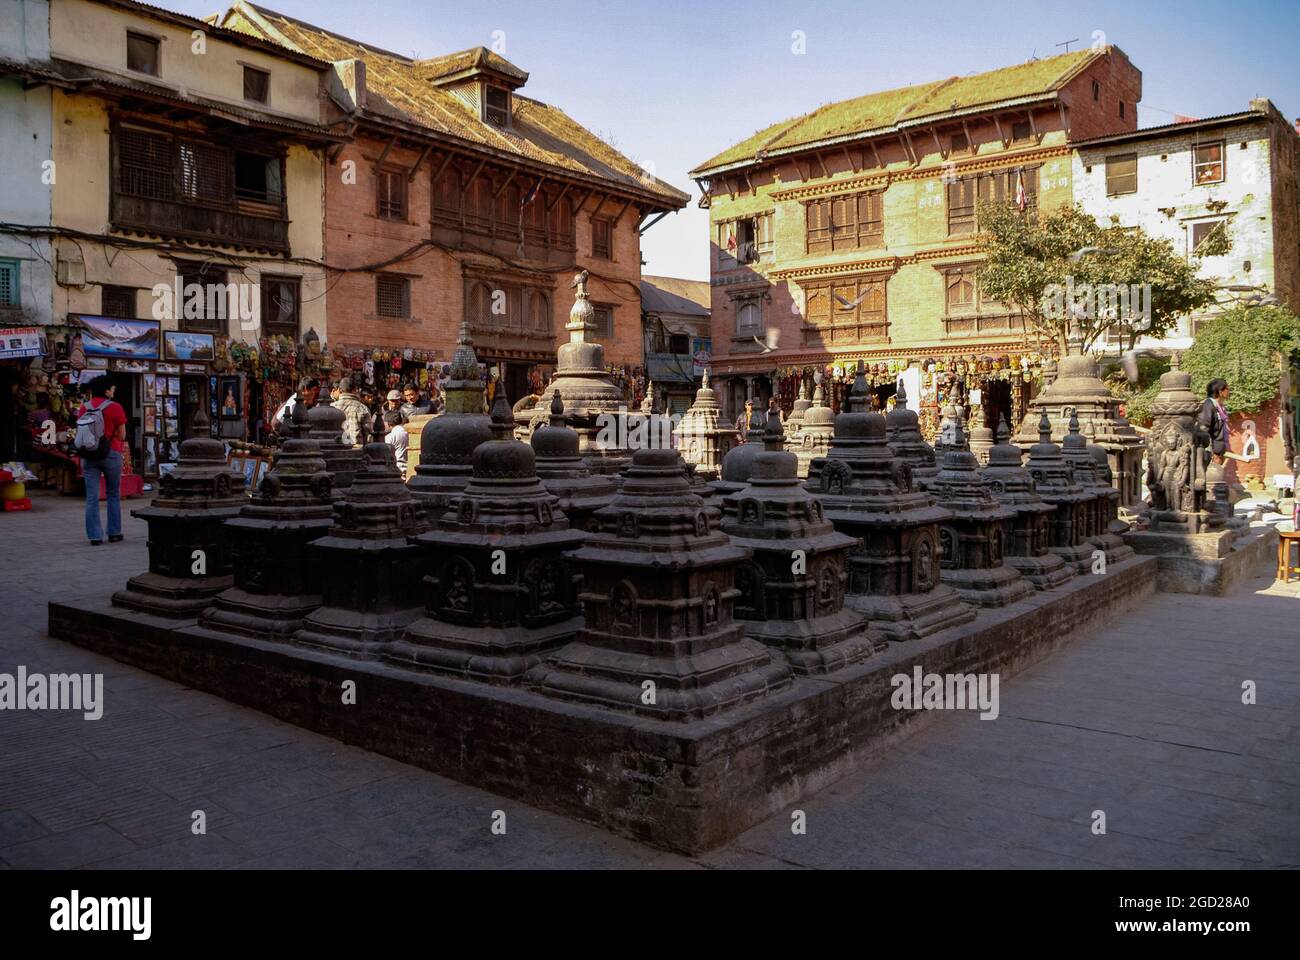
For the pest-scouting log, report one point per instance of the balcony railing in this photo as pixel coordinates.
(266, 229)
(984, 325)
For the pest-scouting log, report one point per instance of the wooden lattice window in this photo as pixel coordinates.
(204, 172)
(1002, 186)
(280, 303)
(603, 321)
(561, 223)
(478, 209)
(117, 302)
(850, 222)
(446, 194)
(392, 296)
(144, 164)
(507, 209)
(391, 186)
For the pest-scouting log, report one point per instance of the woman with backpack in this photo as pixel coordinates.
(1214, 418)
(100, 442)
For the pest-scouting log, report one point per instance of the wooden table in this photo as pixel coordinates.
(1285, 540)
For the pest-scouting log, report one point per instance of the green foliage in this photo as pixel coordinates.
(1026, 257)
(1245, 346)
(1137, 397)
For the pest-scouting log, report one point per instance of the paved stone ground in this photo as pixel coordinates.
(1143, 721)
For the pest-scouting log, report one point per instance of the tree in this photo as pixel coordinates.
(1072, 279)
(1247, 347)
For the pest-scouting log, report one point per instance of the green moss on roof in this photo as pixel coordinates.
(885, 109)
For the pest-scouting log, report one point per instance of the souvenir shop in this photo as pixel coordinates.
(988, 386)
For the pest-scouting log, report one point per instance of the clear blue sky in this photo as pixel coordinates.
(671, 83)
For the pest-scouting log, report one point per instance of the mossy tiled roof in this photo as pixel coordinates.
(883, 111)
(403, 89)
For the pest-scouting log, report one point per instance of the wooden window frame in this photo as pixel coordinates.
(596, 251)
(988, 185)
(149, 38)
(856, 230)
(855, 324)
(266, 75)
(384, 176)
(503, 111)
(109, 290)
(1210, 222)
(1113, 182)
(14, 269)
(608, 309)
(404, 296)
(203, 274)
(1222, 163)
(276, 328)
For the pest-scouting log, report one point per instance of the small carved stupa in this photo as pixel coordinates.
(595, 404)
(189, 562)
(815, 431)
(277, 580)
(700, 435)
(658, 593)
(903, 431)
(868, 494)
(371, 572)
(1054, 480)
(448, 441)
(342, 460)
(1028, 532)
(1105, 498)
(794, 422)
(500, 593)
(563, 471)
(792, 591)
(973, 543)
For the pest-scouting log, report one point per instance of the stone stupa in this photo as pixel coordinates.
(815, 431)
(1055, 482)
(1028, 532)
(792, 591)
(1105, 504)
(794, 422)
(658, 582)
(702, 438)
(448, 441)
(973, 543)
(565, 473)
(867, 493)
(500, 592)
(277, 579)
(594, 403)
(903, 433)
(189, 558)
(371, 572)
(342, 461)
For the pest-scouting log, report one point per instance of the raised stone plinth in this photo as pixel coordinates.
(682, 786)
(792, 590)
(189, 562)
(1212, 563)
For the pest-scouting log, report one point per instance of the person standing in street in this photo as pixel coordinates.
(397, 437)
(1214, 417)
(356, 415)
(100, 444)
(308, 391)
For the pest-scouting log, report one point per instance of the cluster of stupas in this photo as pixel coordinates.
(628, 579)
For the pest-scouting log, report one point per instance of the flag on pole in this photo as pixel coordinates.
(528, 197)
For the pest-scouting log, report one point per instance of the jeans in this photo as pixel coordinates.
(111, 469)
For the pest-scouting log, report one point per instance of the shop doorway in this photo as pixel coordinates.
(194, 397)
(997, 404)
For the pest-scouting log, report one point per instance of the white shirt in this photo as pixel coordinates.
(399, 440)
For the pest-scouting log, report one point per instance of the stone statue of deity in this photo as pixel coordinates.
(1178, 453)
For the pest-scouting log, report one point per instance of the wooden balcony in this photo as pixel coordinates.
(984, 325)
(249, 225)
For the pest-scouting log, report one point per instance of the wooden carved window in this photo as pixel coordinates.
(392, 296)
(850, 222)
(539, 312)
(846, 310)
(507, 210)
(478, 305)
(960, 283)
(603, 321)
(534, 216)
(561, 223)
(749, 319)
(205, 172)
(478, 211)
(144, 164)
(1002, 186)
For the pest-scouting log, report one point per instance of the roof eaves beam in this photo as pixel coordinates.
(389, 146)
(418, 163)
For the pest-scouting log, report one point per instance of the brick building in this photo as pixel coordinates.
(848, 233)
(459, 197)
(675, 313)
(1179, 181)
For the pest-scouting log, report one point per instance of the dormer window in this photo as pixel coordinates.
(496, 105)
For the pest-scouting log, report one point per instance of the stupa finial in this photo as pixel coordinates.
(1044, 428)
(503, 418)
(1004, 431)
(774, 436)
(900, 397)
